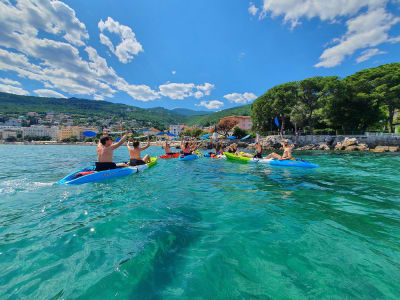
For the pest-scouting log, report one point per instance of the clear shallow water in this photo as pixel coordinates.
(205, 229)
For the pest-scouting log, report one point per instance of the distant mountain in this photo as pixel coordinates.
(213, 118)
(158, 116)
(189, 112)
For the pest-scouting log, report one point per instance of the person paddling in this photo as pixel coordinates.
(134, 153)
(287, 152)
(105, 153)
(168, 149)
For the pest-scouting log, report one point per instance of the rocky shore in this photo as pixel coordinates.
(378, 144)
(336, 143)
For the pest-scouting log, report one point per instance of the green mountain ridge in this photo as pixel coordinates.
(157, 116)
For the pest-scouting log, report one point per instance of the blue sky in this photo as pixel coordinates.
(203, 55)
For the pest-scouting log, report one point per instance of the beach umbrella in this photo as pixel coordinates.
(246, 137)
(170, 134)
(161, 133)
(205, 136)
(89, 133)
(231, 137)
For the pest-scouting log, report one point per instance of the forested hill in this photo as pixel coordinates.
(16, 104)
(213, 118)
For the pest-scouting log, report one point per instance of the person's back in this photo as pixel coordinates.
(105, 153)
(134, 154)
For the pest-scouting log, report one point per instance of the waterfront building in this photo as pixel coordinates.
(9, 131)
(67, 132)
(176, 129)
(39, 130)
(243, 122)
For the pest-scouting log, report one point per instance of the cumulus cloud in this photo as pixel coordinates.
(48, 93)
(213, 104)
(368, 23)
(9, 81)
(240, 98)
(128, 47)
(5, 88)
(57, 64)
(173, 72)
(180, 91)
(252, 9)
(367, 54)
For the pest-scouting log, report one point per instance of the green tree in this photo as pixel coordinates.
(239, 133)
(310, 92)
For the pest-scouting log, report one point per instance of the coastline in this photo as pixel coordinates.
(366, 143)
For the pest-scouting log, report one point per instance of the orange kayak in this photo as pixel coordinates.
(167, 156)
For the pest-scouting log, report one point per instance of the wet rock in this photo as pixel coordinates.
(380, 149)
(339, 146)
(324, 146)
(394, 149)
(350, 142)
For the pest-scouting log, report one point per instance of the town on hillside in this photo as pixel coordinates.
(50, 128)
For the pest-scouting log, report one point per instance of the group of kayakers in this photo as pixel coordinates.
(233, 148)
(106, 147)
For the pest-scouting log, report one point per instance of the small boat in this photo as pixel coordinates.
(272, 162)
(89, 174)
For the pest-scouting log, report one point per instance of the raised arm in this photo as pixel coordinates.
(121, 142)
(147, 146)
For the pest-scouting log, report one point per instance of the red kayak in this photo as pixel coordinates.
(167, 156)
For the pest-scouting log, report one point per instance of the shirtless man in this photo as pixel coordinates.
(134, 153)
(105, 153)
(168, 149)
(287, 152)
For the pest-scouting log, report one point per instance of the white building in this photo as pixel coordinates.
(9, 131)
(13, 122)
(176, 129)
(39, 130)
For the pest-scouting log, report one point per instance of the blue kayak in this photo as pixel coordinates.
(292, 163)
(188, 157)
(89, 174)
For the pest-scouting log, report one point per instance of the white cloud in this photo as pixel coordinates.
(57, 64)
(128, 47)
(180, 91)
(9, 81)
(240, 98)
(173, 72)
(213, 104)
(293, 10)
(368, 23)
(49, 93)
(367, 54)
(252, 9)
(206, 88)
(5, 88)
(366, 30)
(177, 91)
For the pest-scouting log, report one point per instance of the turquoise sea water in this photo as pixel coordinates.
(205, 229)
